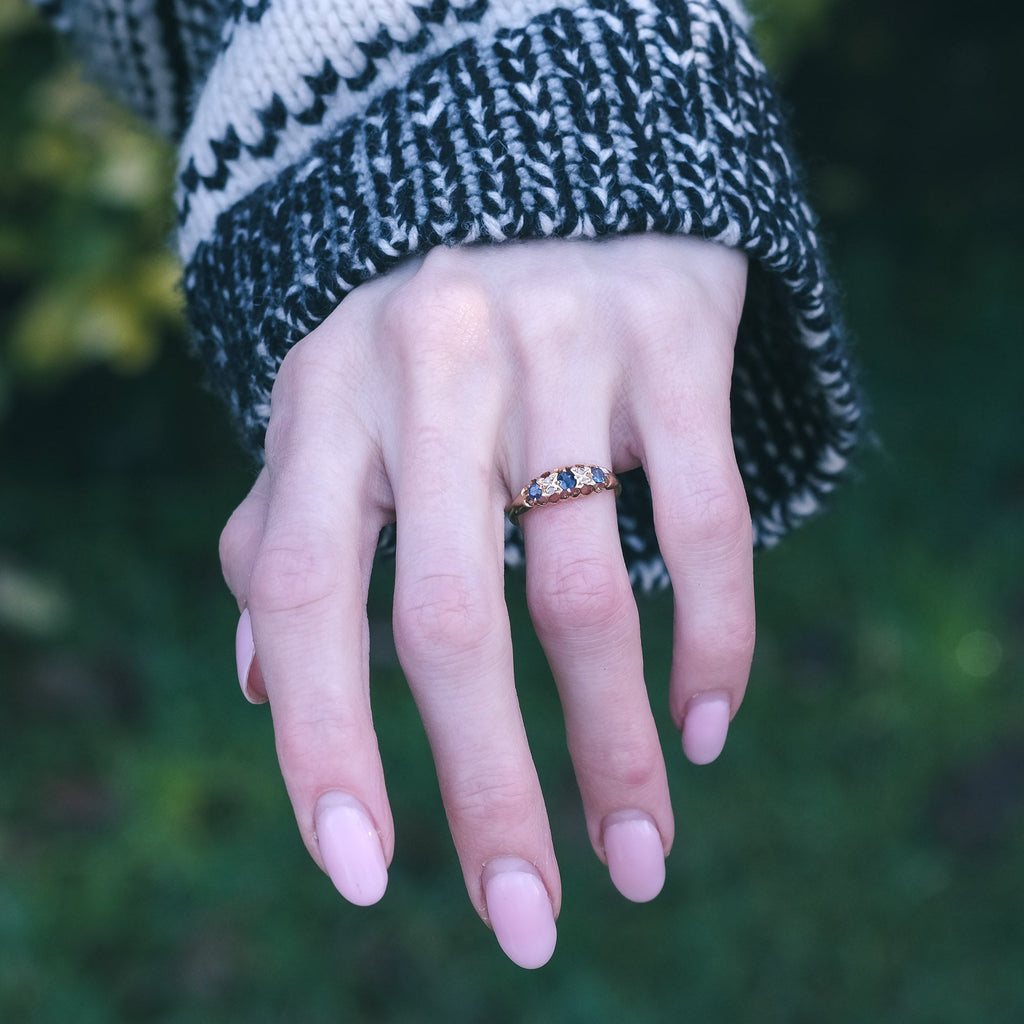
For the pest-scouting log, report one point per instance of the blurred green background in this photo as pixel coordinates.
(856, 854)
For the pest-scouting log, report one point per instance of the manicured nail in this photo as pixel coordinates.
(705, 726)
(351, 850)
(520, 911)
(635, 855)
(245, 654)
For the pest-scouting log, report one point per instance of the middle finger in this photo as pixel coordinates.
(453, 639)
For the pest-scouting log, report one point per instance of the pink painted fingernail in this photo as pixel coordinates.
(245, 654)
(635, 855)
(351, 849)
(705, 726)
(520, 911)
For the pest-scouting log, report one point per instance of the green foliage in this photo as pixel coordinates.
(786, 28)
(85, 276)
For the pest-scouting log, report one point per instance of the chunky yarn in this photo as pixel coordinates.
(323, 142)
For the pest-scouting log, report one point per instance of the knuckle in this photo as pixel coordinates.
(584, 592)
(293, 572)
(634, 764)
(441, 615)
(297, 361)
(712, 513)
(631, 761)
(301, 742)
(553, 307)
(307, 360)
(659, 303)
(624, 754)
(440, 319)
(711, 293)
(660, 286)
(727, 645)
(678, 324)
(738, 635)
(492, 801)
(233, 540)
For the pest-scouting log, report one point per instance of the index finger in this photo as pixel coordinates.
(307, 602)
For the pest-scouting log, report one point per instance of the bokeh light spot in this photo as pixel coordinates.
(979, 654)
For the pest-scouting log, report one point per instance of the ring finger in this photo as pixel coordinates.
(586, 618)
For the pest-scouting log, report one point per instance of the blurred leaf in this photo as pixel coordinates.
(784, 28)
(84, 203)
(77, 319)
(14, 15)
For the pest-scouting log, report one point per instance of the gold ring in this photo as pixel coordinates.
(560, 484)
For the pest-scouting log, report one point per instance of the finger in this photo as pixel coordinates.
(307, 601)
(452, 636)
(453, 639)
(240, 538)
(704, 532)
(577, 586)
(586, 618)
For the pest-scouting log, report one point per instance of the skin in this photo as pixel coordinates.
(430, 396)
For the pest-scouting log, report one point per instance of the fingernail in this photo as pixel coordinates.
(705, 727)
(635, 855)
(245, 654)
(520, 911)
(350, 848)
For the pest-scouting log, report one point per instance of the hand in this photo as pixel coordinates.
(431, 396)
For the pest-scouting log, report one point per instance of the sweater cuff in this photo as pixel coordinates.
(612, 118)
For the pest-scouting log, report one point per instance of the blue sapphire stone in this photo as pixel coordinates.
(598, 474)
(533, 492)
(567, 480)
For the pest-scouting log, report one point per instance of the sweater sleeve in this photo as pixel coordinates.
(324, 142)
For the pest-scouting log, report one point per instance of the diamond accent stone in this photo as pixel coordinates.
(548, 484)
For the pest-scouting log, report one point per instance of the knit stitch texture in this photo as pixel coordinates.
(322, 143)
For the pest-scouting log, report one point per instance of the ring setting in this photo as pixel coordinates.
(562, 484)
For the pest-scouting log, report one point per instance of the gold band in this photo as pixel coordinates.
(560, 484)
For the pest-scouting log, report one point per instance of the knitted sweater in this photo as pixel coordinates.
(322, 141)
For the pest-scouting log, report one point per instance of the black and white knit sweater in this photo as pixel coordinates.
(322, 141)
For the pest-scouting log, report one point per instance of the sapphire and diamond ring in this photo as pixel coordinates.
(560, 484)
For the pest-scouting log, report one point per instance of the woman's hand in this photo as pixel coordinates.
(430, 397)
